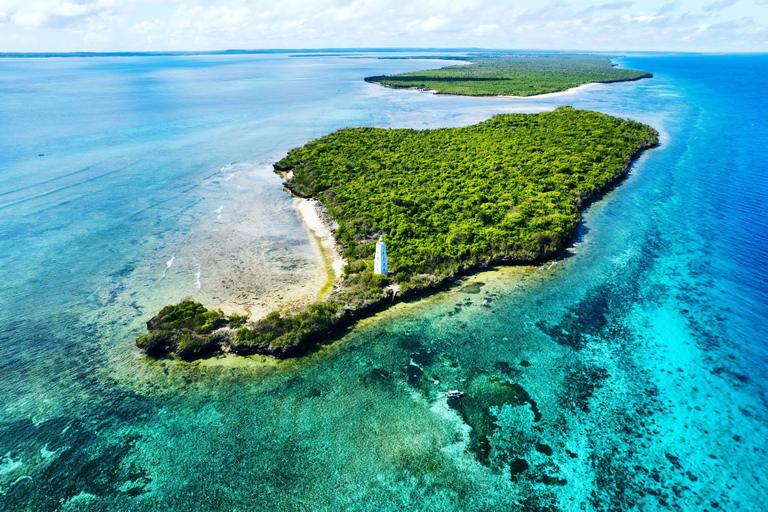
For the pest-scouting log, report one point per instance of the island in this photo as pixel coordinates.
(513, 75)
(447, 202)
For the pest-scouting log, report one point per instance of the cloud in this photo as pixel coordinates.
(719, 6)
(610, 6)
(220, 24)
(485, 29)
(743, 25)
(79, 15)
(744, 29)
(430, 24)
(668, 7)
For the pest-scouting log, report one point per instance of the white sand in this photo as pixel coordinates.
(552, 94)
(572, 90)
(309, 212)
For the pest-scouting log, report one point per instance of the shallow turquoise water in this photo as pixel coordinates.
(630, 374)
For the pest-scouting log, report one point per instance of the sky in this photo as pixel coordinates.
(156, 25)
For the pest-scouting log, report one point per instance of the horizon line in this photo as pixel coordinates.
(394, 49)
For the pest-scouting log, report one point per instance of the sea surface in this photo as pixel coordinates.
(631, 374)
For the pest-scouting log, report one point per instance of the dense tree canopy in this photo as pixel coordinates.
(516, 74)
(506, 189)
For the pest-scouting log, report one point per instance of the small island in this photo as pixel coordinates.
(447, 201)
(513, 75)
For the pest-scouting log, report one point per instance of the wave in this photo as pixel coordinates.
(59, 189)
(167, 266)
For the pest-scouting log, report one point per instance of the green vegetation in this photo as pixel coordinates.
(285, 332)
(328, 263)
(505, 190)
(190, 316)
(236, 321)
(185, 328)
(513, 74)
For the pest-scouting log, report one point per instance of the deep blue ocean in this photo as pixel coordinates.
(127, 183)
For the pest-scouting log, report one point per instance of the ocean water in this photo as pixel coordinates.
(630, 374)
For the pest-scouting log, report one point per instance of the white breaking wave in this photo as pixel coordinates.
(167, 266)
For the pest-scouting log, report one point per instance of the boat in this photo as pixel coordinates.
(454, 394)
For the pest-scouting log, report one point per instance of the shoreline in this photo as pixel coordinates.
(241, 273)
(321, 226)
(578, 88)
(572, 90)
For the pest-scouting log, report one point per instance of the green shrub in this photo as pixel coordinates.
(187, 315)
(236, 321)
(289, 329)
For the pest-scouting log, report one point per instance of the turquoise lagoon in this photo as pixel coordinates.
(630, 374)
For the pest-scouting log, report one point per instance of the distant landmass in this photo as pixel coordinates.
(513, 75)
(307, 51)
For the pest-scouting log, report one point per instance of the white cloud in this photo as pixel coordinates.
(720, 5)
(28, 19)
(486, 29)
(220, 24)
(36, 14)
(429, 24)
(147, 27)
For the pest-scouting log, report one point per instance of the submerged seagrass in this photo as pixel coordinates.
(507, 190)
(515, 75)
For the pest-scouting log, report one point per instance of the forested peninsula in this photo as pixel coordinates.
(513, 75)
(447, 201)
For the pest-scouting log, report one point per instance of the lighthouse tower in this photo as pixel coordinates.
(380, 262)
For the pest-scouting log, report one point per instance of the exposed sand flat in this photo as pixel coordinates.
(249, 253)
(246, 250)
(314, 216)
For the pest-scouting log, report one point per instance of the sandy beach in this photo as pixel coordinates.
(572, 90)
(316, 219)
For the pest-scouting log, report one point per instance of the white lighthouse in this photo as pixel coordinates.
(380, 262)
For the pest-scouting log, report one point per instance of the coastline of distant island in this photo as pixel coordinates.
(512, 75)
